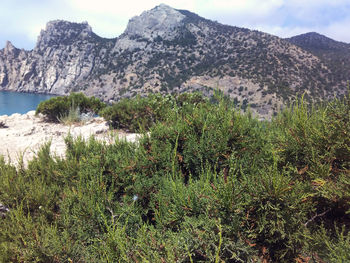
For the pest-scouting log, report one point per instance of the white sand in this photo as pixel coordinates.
(26, 133)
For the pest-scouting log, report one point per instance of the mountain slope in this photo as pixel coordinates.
(168, 50)
(335, 54)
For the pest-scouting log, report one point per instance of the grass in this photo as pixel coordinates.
(71, 117)
(212, 185)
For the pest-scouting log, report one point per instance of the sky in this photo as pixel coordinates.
(22, 20)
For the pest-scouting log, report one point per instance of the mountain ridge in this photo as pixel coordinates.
(170, 51)
(334, 53)
(317, 40)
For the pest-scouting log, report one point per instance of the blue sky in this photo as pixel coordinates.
(22, 20)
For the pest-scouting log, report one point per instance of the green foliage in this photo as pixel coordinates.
(333, 247)
(316, 144)
(204, 184)
(58, 108)
(140, 113)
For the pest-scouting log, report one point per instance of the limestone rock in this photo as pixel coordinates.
(60, 32)
(162, 21)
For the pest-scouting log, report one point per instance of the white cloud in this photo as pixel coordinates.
(239, 6)
(339, 30)
(22, 20)
(314, 3)
(284, 32)
(123, 8)
(109, 18)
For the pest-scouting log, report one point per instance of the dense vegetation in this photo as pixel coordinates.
(141, 113)
(204, 184)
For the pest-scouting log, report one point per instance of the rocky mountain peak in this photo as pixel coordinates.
(63, 32)
(160, 21)
(10, 50)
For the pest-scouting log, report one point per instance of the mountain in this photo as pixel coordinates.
(335, 54)
(169, 51)
(319, 44)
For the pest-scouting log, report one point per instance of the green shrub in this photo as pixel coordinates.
(59, 107)
(130, 114)
(141, 113)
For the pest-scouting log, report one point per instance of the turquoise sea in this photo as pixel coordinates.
(15, 102)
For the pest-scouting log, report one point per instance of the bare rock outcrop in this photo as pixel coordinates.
(162, 21)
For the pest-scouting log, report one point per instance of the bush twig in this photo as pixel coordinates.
(315, 216)
(3, 125)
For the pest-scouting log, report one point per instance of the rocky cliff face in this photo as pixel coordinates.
(167, 50)
(64, 56)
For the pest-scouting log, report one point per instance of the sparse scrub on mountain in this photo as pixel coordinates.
(206, 183)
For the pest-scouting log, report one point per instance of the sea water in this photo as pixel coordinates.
(15, 102)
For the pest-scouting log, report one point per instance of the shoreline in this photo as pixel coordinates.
(32, 92)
